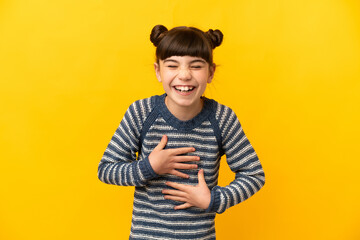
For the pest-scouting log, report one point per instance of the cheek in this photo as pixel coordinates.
(165, 81)
(168, 77)
(204, 78)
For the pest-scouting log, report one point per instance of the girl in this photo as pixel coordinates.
(169, 146)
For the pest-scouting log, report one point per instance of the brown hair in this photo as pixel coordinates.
(185, 41)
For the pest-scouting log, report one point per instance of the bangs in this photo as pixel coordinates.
(187, 42)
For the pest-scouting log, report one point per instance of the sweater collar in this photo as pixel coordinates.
(183, 125)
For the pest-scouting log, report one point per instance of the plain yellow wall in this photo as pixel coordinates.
(69, 69)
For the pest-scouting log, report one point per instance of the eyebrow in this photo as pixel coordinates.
(193, 61)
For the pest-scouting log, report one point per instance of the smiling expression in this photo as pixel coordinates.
(184, 79)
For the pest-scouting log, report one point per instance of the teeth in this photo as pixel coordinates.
(184, 89)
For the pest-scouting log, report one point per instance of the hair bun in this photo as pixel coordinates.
(157, 34)
(215, 37)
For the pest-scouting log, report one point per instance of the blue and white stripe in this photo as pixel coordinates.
(140, 131)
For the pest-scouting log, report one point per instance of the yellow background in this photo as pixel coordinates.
(69, 69)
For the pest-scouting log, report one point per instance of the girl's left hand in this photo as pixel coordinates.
(197, 196)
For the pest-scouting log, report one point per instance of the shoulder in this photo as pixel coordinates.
(224, 121)
(140, 109)
(144, 105)
(137, 114)
(222, 112)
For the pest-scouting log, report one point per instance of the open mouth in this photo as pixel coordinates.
(184, 88)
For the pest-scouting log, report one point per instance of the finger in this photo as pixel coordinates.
(201, 177)
(174, 192)
(175, 198)
(179, 174)
(162, 143)
(178, 186)
(183, 206)
(186, 158)
(185, 166)
(179, 151)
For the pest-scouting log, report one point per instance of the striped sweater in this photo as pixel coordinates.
(213, 132)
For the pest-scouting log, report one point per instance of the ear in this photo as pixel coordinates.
(211, 73)
(157, 71)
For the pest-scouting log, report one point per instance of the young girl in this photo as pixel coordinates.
(169, 146)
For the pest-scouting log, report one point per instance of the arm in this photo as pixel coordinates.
(118, 165)
(242, 160)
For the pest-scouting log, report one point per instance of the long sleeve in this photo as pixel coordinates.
(119, 165)
(242, 160)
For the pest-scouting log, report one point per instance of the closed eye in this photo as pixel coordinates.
(171, 66)
(196, 66)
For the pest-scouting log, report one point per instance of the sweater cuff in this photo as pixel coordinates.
(215, 201)
(146, 169)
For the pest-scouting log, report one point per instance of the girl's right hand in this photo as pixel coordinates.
(167, 161)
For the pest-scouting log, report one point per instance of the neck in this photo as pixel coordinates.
(185, 113)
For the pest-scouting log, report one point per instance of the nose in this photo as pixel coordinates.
(184, 74)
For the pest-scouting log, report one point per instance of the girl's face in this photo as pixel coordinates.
(184, 79)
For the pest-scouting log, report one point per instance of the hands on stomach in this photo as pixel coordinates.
(169, 161)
